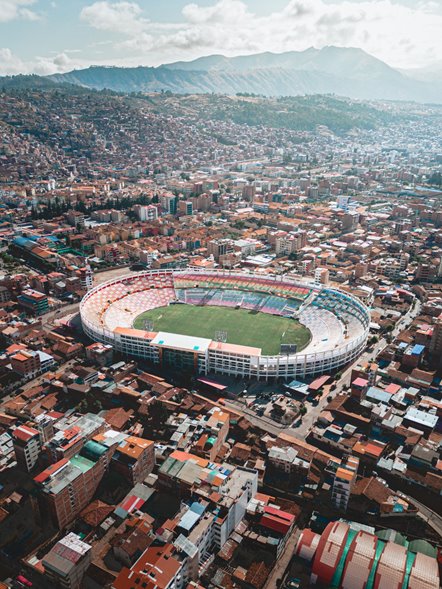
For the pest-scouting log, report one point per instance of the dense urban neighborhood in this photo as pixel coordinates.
(220, 341)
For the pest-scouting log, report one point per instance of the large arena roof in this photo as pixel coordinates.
(337, 322)
(356, 559)
(176, 341)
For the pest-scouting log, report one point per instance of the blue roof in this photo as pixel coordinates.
(378, 395)
(23, 241)
(197, 508)
(417, 349)
(332, 435)
(188, 520)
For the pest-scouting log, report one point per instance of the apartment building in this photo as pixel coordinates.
(72, 433)
(344, 480)
(146, 212)
(134, 458)
(27, 446)
(26, 363)
(66, 487)
(34, 301)
(436, 341)
(157, 567)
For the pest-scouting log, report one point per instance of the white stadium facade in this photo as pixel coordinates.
(337, 321)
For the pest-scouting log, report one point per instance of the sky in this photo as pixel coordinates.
(51, 36)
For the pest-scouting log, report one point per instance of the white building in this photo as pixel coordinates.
(287, 459)
(27, 446)
(343, 202)
(146, 212)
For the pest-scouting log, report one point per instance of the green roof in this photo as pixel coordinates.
(423, 547)
(82, 463)
(93, 450)
(392, 536)
(408, 566)
(370, 581)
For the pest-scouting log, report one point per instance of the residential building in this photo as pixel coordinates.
(26, 363)
(66, 563)
(27, 446)
(146, 212)
(158, 567)
(66, 487)
(134, 458)
(344, 480)
(34, 301)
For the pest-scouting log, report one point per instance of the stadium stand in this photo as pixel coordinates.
(338, 322)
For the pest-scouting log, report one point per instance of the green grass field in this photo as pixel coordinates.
(243, 327)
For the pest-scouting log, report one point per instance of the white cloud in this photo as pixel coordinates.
(224, 11)
(402, 34)
(117, 17)
(397, 33)
(11, 64)
(16, 9)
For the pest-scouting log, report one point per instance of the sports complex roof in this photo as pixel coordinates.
(347, 557)
(176, 341)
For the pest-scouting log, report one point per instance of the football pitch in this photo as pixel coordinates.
(243, 327)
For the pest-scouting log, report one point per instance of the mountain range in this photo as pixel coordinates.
(331, 70)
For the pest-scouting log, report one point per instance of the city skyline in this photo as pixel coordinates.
(63, 36)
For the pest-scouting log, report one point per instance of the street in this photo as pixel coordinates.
(313, 412)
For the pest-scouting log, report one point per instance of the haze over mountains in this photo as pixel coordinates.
(343, 71)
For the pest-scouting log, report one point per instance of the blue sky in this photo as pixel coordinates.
(48, 36)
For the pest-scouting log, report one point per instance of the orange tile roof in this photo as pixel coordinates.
(344, 474)
(134, 446)
(156, 567)
(183, 456)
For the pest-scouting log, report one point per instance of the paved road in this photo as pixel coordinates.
(283, 561)
(433, 519)
(268, 425)
(314, 410)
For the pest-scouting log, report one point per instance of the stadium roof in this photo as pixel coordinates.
(351, 559)
(134, 332)
(177, 341)
(235, 349)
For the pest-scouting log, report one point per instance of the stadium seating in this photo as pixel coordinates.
(124, 312)
(237, 298)
(251, 283)
(338, 322)
(116, 304)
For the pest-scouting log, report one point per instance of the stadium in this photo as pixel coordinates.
(231, 323)
(349, 555)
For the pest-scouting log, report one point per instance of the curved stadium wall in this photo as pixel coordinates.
(107, 313)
